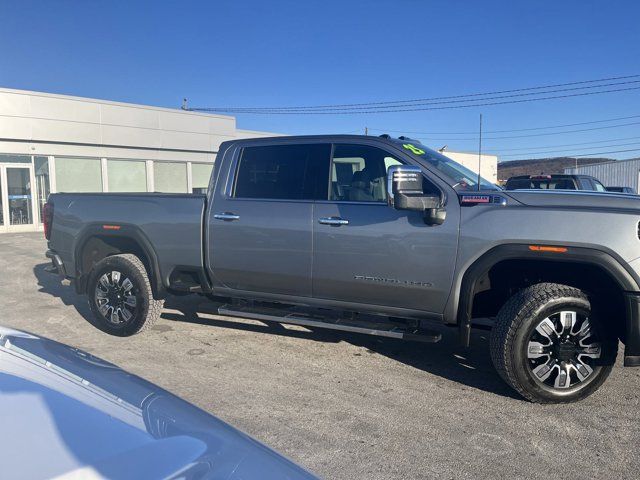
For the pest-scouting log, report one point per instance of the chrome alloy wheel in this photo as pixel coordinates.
(562, 349)
(115, 298)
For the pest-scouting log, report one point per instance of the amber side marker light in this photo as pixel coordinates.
(547, 248)
(111, 227)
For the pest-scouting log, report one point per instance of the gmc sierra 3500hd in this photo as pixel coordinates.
(373, 235)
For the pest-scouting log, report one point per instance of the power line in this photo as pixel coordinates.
(568, 144)
(534, 134)
(591, 154)
(427, 103)
(355, 112)
(567, 131)
(507, 131)
(397, 103)
(422, 109)
(570, 150)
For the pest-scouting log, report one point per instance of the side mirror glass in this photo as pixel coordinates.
(405, 192)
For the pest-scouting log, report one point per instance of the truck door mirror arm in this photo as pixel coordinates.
(405, 193)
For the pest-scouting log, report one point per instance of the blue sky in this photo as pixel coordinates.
(281, 53)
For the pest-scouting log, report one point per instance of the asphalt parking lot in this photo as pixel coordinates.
(344, 406)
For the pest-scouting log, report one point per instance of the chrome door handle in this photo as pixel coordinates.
(229, 217)
(334, 221)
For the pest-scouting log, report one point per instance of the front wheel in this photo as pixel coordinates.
(120, 296)
(549, 345)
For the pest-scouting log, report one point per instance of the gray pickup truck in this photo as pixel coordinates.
(373, 235)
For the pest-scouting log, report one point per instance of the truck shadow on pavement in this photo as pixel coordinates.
(447, 359)
(52, 284)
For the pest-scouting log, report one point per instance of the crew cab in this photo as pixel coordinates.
(374, 235)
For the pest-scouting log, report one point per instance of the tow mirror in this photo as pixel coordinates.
(405, 192)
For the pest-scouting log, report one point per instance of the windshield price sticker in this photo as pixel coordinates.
(413, 149)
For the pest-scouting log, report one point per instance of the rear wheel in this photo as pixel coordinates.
(550, 346)
(120, 296)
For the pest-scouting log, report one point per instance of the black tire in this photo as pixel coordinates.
(131, 315)
(520, 321)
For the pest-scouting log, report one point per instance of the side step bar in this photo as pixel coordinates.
(381, 329)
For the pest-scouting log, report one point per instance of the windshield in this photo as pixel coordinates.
(462, 178)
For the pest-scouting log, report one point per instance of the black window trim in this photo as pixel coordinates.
(229, 191)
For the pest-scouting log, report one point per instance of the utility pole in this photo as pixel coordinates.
(479, 152)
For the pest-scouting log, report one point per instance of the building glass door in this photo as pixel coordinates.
(17, 198)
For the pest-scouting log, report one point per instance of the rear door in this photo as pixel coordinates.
(260, 236)
(369, 253)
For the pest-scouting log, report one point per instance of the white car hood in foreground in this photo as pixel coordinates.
(67, 414)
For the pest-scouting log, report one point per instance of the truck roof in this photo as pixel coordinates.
(330, 137)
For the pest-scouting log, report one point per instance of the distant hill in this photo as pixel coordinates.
(543, 166)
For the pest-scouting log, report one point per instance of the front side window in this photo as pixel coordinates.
(284, 172)
(359, 174)
(587, 184)
(599, 186)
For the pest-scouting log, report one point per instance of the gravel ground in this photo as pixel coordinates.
(344, 406)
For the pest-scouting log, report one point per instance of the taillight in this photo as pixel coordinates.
(47, 219)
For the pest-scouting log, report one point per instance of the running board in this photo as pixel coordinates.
(381, 329)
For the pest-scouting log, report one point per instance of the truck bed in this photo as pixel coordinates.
(170, 224)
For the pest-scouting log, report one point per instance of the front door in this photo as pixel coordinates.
(369, 253)
(17, 200)
(260, 235)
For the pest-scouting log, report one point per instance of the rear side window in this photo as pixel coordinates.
(518, 183)
(552, 184)
(285, 172)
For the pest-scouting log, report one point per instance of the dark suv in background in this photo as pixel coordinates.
(555, 182)
(628, 190)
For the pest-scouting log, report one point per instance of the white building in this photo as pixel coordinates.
(488, 163)
(52, 143)
(56, 143)
(618, 173)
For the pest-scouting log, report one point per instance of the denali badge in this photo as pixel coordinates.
(467, 199)
(367, 278)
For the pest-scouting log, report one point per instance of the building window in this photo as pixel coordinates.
(15, 158)
(42, 181)
(170, 177)
(126, 176)
(78, 175)
(200, 175)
